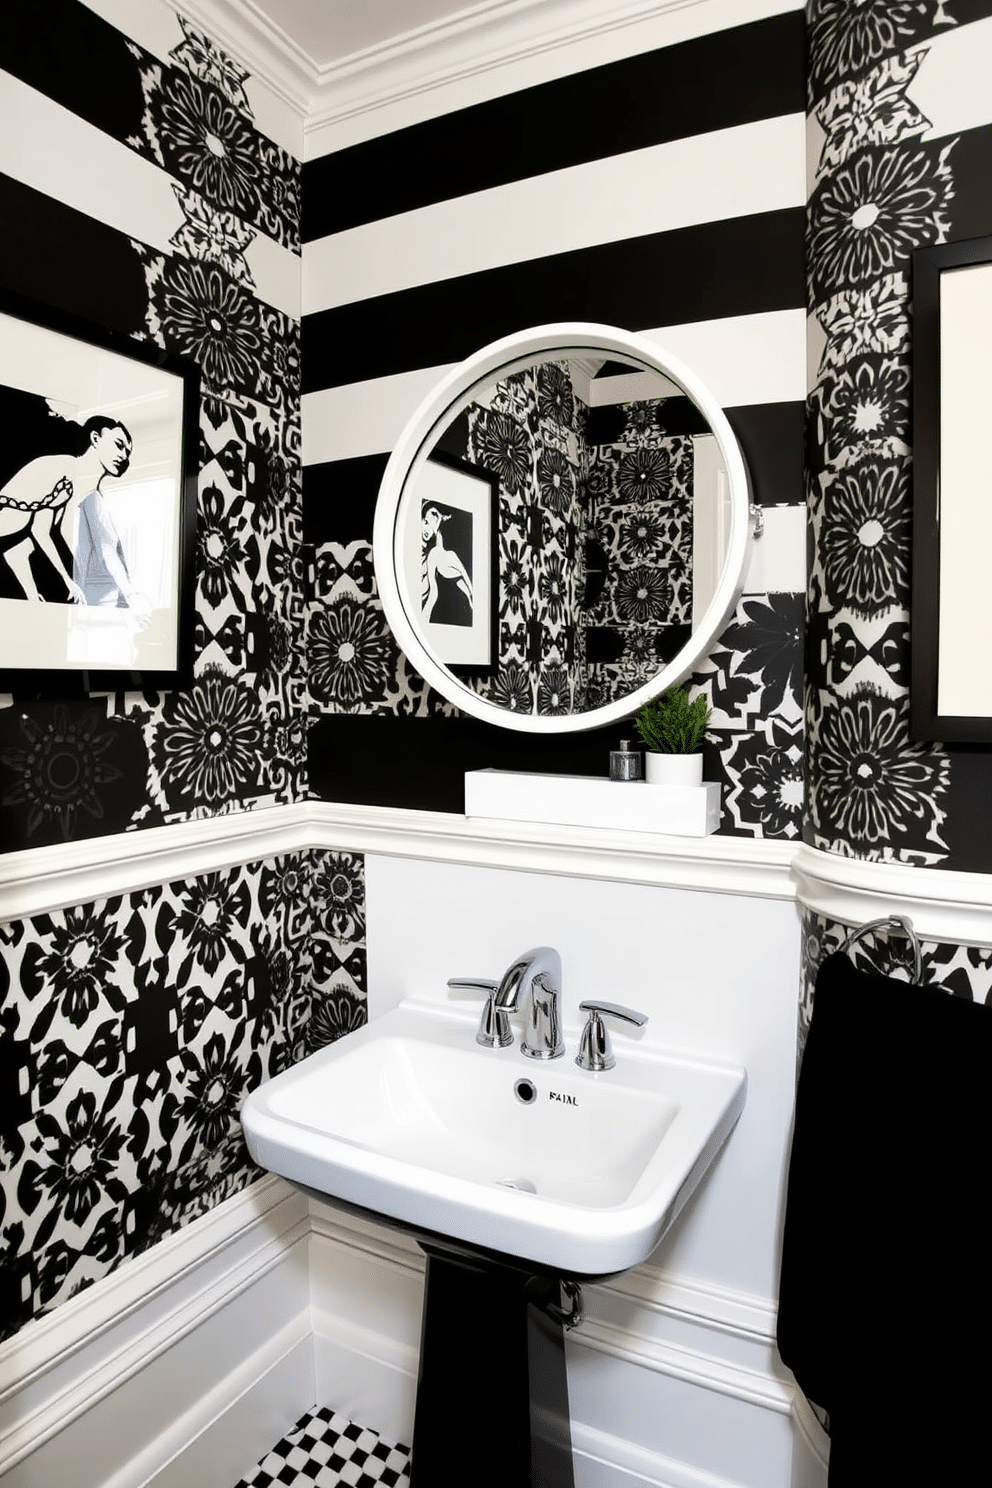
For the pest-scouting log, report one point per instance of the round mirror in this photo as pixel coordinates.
(562, 528)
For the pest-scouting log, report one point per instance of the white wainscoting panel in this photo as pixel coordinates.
(717, 975)
(185, 1366)
(672, 1382)
(367, 1288)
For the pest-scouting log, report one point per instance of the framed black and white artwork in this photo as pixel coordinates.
(97, 507)
(452, 553)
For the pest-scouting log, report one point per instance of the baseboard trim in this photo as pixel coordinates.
(226, 1432)
(215, 1341)
(62, 1367)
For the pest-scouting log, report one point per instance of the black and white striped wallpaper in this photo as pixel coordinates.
(664, 193)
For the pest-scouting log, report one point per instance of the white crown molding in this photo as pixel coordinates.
(946, 907)
(41, 880)
(257, 43)
(475, 40)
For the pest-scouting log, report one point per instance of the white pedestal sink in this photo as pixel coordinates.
(513, 1174)
(410, 1118)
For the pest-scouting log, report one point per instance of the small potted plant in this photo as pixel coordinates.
(673, 728)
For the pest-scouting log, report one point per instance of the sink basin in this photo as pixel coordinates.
(409, 1118)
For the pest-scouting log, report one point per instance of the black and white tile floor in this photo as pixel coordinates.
(326, 1450)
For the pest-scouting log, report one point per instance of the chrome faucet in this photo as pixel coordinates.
(531, 983)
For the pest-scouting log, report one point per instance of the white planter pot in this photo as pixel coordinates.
(673, 769)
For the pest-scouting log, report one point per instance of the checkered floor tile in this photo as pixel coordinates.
(326, 1450)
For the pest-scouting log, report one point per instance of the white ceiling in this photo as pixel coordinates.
(328, 31)
(332, 60)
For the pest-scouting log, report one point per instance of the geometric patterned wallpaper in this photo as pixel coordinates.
(132, 1030)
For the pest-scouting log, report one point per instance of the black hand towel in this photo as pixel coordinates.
(885, 1303)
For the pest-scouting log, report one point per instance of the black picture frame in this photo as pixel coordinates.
(933, 503)
(97, 585)
(470, 498)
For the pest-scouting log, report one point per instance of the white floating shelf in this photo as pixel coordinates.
(592, 801)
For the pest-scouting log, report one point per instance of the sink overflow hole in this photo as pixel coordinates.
(524, 1184)
(525, 1091)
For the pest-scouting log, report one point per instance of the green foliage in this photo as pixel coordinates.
(671, 724)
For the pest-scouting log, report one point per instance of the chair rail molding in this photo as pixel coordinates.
(43, 879)
(946, 907)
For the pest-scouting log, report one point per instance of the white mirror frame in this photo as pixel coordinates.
(511, 354)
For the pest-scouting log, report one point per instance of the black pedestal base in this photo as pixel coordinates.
(492, 1398)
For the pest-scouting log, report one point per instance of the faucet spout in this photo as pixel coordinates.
(532, 983)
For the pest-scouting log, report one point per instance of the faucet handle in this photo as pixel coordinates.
(494, 1025)
(472, 984)
(595, 1052)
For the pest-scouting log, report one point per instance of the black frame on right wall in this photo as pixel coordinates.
(927, 721)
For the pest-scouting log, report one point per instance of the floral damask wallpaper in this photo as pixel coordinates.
(355, 665)
(239, 736)
(132, 1031)
(530, 435)
(640, 494)
(886, 183)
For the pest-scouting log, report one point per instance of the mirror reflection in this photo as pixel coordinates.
(566, 531)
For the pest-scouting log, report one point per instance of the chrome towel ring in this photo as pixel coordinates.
(901, 925)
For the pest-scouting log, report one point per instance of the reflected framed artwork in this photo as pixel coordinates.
(451, 557)
(951, 693)
(97, 507)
